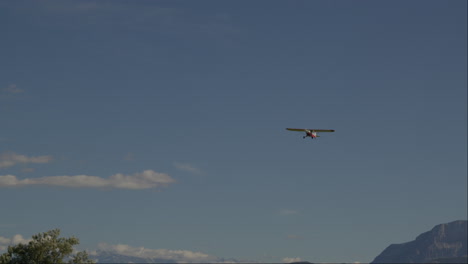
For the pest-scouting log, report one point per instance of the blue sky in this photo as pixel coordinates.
(174, 115)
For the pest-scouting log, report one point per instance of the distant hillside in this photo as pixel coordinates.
(445, 243)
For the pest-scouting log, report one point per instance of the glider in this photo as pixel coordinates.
(312, 133)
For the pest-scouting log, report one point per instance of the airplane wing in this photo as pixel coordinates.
(296, 129)
(310, 129)
(322, 130)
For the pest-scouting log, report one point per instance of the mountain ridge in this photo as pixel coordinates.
(443, 242)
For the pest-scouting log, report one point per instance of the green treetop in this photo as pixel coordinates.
(45, 248)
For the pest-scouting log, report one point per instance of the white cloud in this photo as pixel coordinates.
(145, 180)
(288, 212)
(290, 260)
(16, 239)
(186, 167)
(180, 256)
(12, 89)
(19, 239)
(11, 159)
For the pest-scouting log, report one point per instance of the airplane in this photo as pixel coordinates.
(312, 133)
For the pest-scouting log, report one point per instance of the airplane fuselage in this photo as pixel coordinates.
(311, 134)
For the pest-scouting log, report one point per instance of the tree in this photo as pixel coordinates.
(45, 248)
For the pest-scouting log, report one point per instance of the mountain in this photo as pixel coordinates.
(445, 243)
(457, 260)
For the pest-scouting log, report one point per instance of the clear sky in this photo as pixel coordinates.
(161, 124)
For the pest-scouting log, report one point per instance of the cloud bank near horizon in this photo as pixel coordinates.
(12, 159)
(179, 256)
(145, 180)
(16, 239)
(291, 260)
